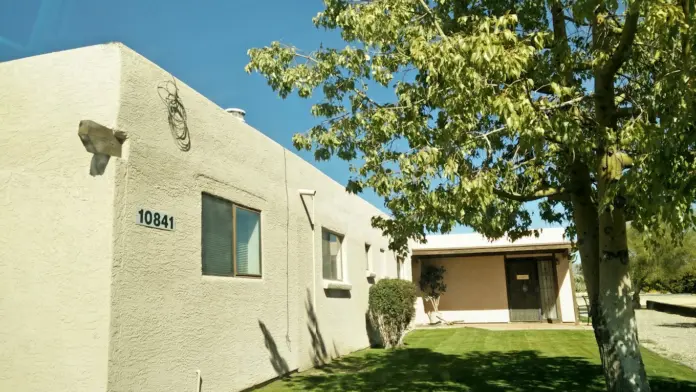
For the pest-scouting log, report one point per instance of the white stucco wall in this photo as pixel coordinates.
(90, 301)
(565, 291)
(56, 222)
(168, 321)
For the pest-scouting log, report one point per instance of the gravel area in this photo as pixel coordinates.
(669, 335)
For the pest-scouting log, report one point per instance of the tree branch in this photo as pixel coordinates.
(628, 34)
(569, 102)
(687, 6)
(551, 137)
(624, 112)
(435, 21)
(561, 48)
(551, 193)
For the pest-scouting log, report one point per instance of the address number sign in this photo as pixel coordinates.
(154, 219)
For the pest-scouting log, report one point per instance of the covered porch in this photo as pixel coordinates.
(529, 280)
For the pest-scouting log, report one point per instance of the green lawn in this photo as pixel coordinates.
(467, 359)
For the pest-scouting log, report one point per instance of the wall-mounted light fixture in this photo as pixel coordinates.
(101, 141)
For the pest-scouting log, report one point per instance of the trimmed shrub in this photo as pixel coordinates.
(391, 309)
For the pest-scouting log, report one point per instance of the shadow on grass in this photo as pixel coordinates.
(418, 369)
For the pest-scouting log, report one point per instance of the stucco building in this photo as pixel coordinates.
(152, 239)
(189, 242)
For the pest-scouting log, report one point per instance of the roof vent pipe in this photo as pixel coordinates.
(237, 113)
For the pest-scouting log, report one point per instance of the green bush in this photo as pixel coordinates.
(391, 309)
(683, 283)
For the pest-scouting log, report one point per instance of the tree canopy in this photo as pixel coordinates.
(586, 106)
(658, 255)
(494, 101)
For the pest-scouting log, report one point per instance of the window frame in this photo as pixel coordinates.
(341, 239)
(383, 262)
(235, 206)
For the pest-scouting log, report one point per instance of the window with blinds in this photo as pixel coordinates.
(231, 238)
(332, 263)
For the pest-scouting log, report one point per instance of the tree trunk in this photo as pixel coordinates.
(587, 226)
(603, 250)
(434, 313)
(636, 299)
(613, 317)
(637, 289)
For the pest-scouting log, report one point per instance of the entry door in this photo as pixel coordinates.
(524, 298)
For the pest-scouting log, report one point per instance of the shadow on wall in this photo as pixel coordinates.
(98, 164)
(319, 353)
(280, 365)
(331, 293)
(421, 369)
(372, 332)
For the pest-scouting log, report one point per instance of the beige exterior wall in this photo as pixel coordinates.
(56, 222)
(91, 301)
(168, 321)
(477, 289)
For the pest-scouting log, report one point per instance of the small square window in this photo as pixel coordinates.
(231, 238)
(332, 253)
(382, 267)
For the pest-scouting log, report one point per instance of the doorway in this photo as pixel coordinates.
(524, 294)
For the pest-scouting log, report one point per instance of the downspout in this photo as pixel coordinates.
(312, 193)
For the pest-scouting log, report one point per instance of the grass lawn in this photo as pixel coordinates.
(468, 359)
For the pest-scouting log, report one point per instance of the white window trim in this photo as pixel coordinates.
(370, 270)
(337, 285)
(235, 206)
(342, 284)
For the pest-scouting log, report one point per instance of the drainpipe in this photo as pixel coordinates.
(312, 193)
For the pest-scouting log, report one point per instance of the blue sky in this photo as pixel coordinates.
(202, 43)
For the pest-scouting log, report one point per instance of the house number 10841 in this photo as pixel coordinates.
(155, 219)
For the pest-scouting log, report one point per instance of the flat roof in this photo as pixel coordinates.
(550, 239)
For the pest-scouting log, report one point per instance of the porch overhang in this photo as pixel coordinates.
(549, 248)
